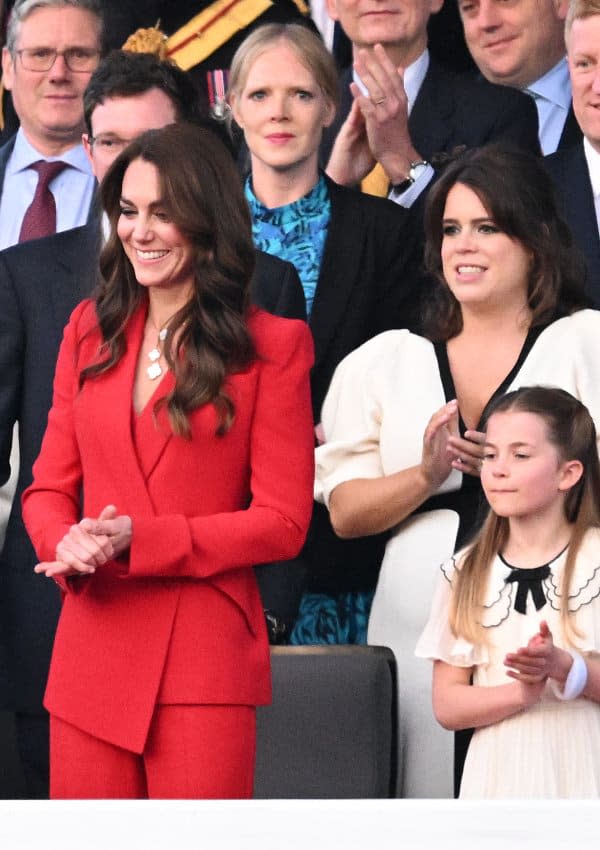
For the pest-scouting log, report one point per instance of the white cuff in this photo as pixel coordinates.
(410, 195)
(575, 681)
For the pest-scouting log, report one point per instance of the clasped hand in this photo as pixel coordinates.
(444, 449)
(89, 543)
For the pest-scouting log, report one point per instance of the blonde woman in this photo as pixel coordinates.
(354, 253)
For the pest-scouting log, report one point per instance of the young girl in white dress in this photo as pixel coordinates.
(517, 613)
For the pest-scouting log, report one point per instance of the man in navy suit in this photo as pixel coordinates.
(400, 107)
(575, 171)
(51, 51)
(521, 44)
(40, 284)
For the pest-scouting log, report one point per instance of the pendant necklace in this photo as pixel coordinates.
(154, 370)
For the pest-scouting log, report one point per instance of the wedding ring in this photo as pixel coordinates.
(381, 99)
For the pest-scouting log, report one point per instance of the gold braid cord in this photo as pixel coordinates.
(203, 34)
(148, 40)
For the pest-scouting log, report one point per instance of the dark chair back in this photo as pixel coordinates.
(331, 729)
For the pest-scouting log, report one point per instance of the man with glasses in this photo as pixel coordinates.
(52, 48)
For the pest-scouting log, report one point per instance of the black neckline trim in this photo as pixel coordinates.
(528, 569)
(441, 352)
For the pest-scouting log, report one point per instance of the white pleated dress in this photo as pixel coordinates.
(551, 750)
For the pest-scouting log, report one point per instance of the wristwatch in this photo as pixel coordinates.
(414, 172)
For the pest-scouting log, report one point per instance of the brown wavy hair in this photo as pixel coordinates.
(571, 430)
(202, 193)
(518, 195)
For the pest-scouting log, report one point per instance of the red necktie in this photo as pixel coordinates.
(40, 217)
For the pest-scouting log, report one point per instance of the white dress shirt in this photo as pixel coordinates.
(73, 189)
(552, 95)
(324, 23)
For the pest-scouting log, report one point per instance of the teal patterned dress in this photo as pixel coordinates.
(295, 232)
(327, 619)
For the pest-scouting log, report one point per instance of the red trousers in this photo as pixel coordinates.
(192, 752)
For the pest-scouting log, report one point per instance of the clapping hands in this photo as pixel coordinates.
(444, 449)
(376, 130)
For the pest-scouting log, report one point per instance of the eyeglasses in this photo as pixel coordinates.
(77, 59)
(109, 144)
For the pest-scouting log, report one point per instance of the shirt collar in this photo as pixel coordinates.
(414, 75)
(24, 155)
(316, 197)
(554, 86)
(592, 158)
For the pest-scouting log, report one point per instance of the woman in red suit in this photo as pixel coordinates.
(178, 454)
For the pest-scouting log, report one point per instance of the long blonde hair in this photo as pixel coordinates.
(571, 431)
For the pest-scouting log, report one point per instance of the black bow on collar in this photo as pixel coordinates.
(529, 581)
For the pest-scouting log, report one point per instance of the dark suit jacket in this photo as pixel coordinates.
(454, 109)
(368, 281)
(569, 172)
(5, 152)
(40, 284)
(571, 133)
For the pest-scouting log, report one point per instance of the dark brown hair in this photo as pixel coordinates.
(571, 430)
(202, 193)
(125, 74)
(518, 195)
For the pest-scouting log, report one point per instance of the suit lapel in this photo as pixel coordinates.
(5, 152)
(72, 269)
(338, 267)
(152, 432)
(580, 211)
(580, 201)
(430, 122)
(571, 133)
(132, 459)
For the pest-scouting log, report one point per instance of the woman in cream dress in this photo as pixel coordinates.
(404, 415)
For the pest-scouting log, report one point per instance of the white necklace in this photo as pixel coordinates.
(154, 370)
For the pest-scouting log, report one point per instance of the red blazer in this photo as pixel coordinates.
(180, 619)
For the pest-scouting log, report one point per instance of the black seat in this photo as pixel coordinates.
(330, 731)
